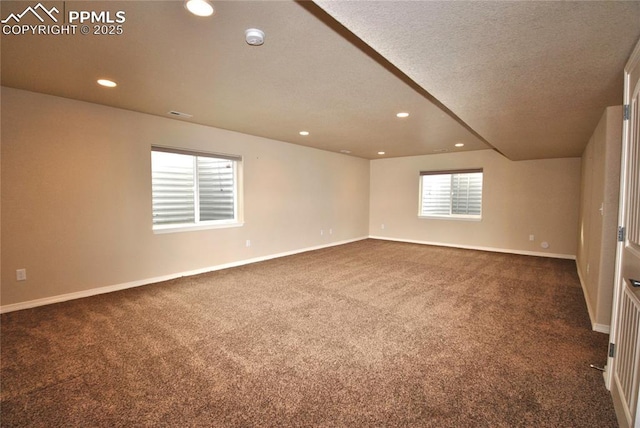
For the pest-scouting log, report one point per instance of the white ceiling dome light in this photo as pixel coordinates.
(254, 37)
(199, 7)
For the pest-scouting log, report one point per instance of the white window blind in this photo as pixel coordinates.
(192, 188)
(451, 193)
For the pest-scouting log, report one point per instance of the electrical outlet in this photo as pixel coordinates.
(21, 274)
(321, 232)
(330, 231)
(248, 243)
(532, 238)
(382, 226)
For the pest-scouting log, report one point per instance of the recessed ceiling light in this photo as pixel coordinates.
(380, 153)
(459, 144)
(346, 152)
(199, 7)
(304, 133)
(108, 83)
(403, 114)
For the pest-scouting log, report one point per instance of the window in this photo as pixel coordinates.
(193, 189)
(451, 194)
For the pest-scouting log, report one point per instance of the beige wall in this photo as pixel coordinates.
(539, 197)
(598, 228)
(76, 197)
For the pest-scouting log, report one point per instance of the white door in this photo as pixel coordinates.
(624, 378)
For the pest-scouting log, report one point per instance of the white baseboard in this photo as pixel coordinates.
(600, 328)
(117, 287)
(474, 247)
(585, 293)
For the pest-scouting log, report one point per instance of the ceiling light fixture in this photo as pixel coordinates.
(254, 37)
(107, 83)
(402, 114)
(304, 133)
(459, 144)
(199, 7)
(346, 152)
(380, 153)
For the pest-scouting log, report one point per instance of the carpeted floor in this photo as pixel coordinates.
(371, 333)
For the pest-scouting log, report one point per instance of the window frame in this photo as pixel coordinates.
(451, 216)
(236, 221)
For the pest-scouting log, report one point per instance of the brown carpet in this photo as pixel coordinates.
(371, 333)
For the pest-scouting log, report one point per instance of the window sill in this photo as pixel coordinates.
(174, 228)
(456, 218)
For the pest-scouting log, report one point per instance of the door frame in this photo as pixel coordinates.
(634, 61)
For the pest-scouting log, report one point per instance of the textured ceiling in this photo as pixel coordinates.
(306, 76)
(529, 79)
